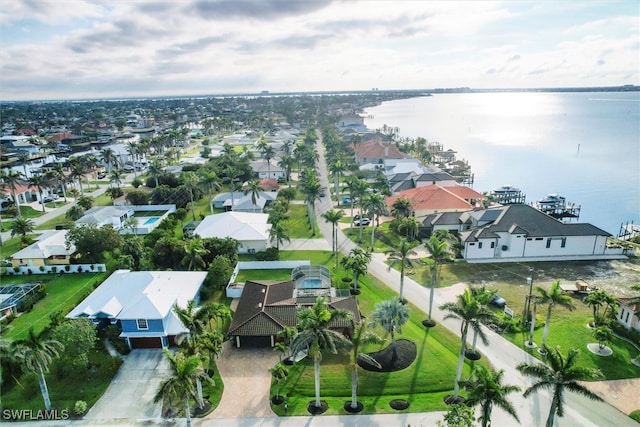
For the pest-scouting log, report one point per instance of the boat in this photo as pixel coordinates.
(552, 200)
(508, 195)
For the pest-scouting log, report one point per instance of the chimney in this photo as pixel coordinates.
(386, 151)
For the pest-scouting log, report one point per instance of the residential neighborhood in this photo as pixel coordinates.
(294, 260)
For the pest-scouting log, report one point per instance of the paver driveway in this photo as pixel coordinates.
(130, 394)
(245, 372)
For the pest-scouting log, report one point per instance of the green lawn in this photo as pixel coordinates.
(424, 384)
(277, 274)
(298, 223)
(63, 293)
(12, 246)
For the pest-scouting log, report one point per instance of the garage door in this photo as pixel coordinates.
(255, 341)
(146, 342)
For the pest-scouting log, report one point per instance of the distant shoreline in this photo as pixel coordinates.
(408, 93)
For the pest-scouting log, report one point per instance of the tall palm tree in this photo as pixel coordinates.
(155, 170)
(315, 335)
(115, 177)
(374, 205)
(253, 188)
(485, 388)
(351, 187)
(232, 174)
(61, 177)
(470, 312)
(551, 298)
(181, 384)
(190, 183)
(483, 296)
(39, 181)
(336, 168)
(357, 262)
(78, 172)
(109, 157)
(400, 255)
(280, 233)
(192, 317)
(401, 208)
(410, 226)
(332, 216)
(12, 179)
(391, 315)
(38, 353)
(359, 339)
(268, 153)
(438, 253)
(311, 187)
(559, 374)
(211, 182)
(194, 253)
(279, 372)
(23, 158)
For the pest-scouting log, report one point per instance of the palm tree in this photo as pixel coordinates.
(190, 183)
(604, 335)
(109, 157)
(357, 262)
(194, 253)
(374, 204)
(77, 172)
(336, 168)
(334, 218)
(23, 158)
(315, 335)
(181, 384)
(39, 182)
(483, 296)
(192, 317)
(470, 312)
(232, 174)
(311, 187)
(21, 227)
(11, 179)
(559, 374)
(58, 171)
(360, 338)
(439, 253)
(211, 182)
(279, 232)
(155, 170)
(401, 208)
(485, 388)
(286, 163)
(551, 298)
(401, 255)
(253, 188)
(38, 353)
(352, 187)
(410, 226)
(268, 153)
(391, 315)
(279, 372)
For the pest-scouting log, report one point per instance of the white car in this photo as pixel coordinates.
(363, 221)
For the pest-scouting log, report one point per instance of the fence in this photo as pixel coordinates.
(56, 269)
(234, 290)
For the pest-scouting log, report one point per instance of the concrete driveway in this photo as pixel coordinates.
(130, 394)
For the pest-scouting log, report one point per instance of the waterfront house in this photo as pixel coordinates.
(251, 230)
(434, 199)
(142, 302)
(376, 151)
(520, 233)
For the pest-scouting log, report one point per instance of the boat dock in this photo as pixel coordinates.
(558, 207)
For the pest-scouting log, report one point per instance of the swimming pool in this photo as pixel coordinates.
(310, 284)
(151, 220)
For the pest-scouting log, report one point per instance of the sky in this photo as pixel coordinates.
(77, 49)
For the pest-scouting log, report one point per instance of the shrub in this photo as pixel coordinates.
(635, 415)
(137, 182)
(67, 267)
(271, 254)
(80, 407)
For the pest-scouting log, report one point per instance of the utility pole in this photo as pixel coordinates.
(527, 306)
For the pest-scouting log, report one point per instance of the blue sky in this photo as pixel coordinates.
(83, 49)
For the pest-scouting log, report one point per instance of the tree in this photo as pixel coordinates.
(211, 182)
(438, 253)
(391, 315)
(86, 202)
(109, 157)
(278, 372)
(116, 177)
(470, 312)
(287, 334)
(91, 242)
(220, 270)
(332, 216)
(559, 374)
(357, 262)
(375, 206)
(596, 300)
(310, 186)
(361, 338)
(458, 415)
(190, 183)
(39, 182)
(138, 197)
(181, 384)
(253, 188)
(604, 335)
(74, 213)
(401, 255)
(551, 298)
(315, 335)
(336, 168)
(12, 179)
(279, 232)
(193, 257)
(78, 337)
(352, 188)
(155, 170)
(410, 226)
(38, 353)
(484, 387)
(21, 227)
(401, 208)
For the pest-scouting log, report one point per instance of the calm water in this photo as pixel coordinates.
(584, 146)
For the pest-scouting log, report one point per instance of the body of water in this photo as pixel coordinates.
(583, 146)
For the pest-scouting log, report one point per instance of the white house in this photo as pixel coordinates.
(241, 202)
(142, 303)
(523, 233)
(629, 313)
(50, 249)
(148, 217)
(263, 169)
(251, 230)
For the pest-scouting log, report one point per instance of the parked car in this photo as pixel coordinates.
(498, 301)
(101, 175)
(128, 168)
(363, 221)
(49, 198)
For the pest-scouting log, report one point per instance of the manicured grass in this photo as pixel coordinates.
(424, 384)
(51, 224)
(65, 391)
(63, 293)
(13, 245)
(298, 223)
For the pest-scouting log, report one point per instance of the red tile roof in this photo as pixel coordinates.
(59, 137)
(434, 197)
(377, 149)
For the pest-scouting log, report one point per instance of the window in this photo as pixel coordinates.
(548, 243)
(627, 319)
(472, 244)
(142, 324)
(539, 238)
(563, 242)
(480, 245)
(493, 245)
